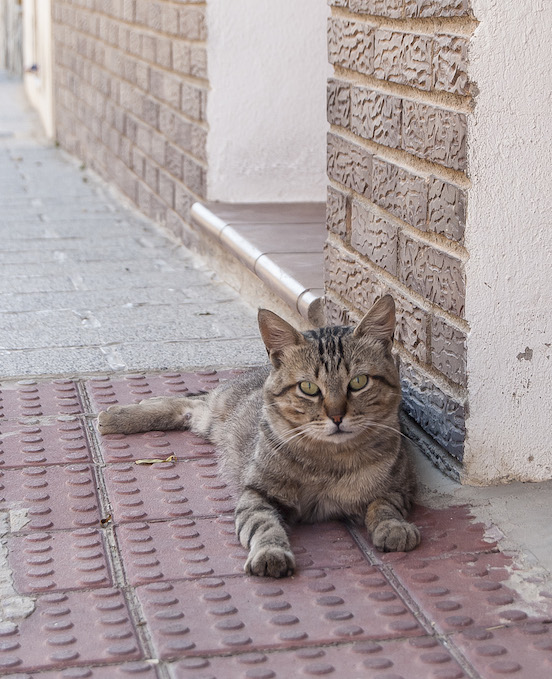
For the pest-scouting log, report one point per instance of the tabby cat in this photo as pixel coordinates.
(313, 436)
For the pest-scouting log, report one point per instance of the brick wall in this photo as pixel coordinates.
(397, 105)
(130, 90)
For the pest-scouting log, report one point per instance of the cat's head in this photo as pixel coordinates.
(335, 384)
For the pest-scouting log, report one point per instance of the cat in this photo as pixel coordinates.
(313, 436)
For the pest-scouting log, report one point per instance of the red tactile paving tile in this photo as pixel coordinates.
(43, 442)
(30, 398)
(58, 561)
(449, 530)
(189, 549)
(107, 391)
(139, 669)
(154, 444)
(70, 629)
(167, 490)
(51, 497)
(460, 591)
(520, 651)
(239, 613)
(415, 658)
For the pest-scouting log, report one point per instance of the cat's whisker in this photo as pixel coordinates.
(366, 425)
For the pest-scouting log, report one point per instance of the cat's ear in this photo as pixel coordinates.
(379, 322)
(277, 334)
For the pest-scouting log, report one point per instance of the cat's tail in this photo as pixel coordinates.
(154, 414)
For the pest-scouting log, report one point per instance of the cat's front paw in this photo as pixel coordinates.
(119, 420)
(393, 535)
(274, 562)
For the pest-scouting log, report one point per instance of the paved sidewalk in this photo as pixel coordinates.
(110, 568)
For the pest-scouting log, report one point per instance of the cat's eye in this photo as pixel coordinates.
(309, 388)
(358, 382)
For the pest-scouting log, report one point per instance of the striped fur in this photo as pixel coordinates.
(297, 456)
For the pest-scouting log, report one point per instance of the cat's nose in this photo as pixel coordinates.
(338, 419)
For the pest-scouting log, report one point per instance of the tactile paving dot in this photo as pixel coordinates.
(34, 398)
(58, 561)
(51, 497)
(118, 448)
(461, 591)
(43, 442)
(75, 628)
(188, 548)
(404, 659)
(167, 490)
(106, 391)
(523, 650)
(240, 613)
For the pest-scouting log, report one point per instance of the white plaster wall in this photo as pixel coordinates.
(509, 238)
(37, 49)
(266, 109)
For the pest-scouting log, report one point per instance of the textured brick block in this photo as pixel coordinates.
(403, 58)
(376, 116)
(192, 23)
(194, 176)
(438, 414)
(434, 134)
(412, 328)
(446, 209)
(193, 101)
(339, 103)
(400, 192)
(335, 314)
(437, 276)
(450, 64)
(351, 45)
(350, 164)
(173, 160)
(391, 9)
(374, 237)
(336, 212)
(350, 280)
(198, 62)
(448, 350)
(182, 56)
(437, 8)
(165, 87)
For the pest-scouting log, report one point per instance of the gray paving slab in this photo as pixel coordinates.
(87, 284)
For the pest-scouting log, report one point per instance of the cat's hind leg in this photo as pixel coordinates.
(390, 532)
(260, 529)
(156, 414)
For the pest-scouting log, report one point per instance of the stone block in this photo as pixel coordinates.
(349, 164)
(183, 201)
(448, 350)
(450, 64)
(181, 56)
(350, 280)
(376, 116)
(163, 52)
(433, 274)
(173, 160)
(374, 237)
(412, 327)
(166, 188)
(336, 212)
(391, 9)
(148, 48)
(335, 314)
(351, 45)
(169, 19)
(194, 176)
(198, 146)
(192, 23)
(437, 8)
(446, 209)
(434, 134)
(339, 103)
(402, 193)
(198, 61)
(440, 415)
(193, 101)
(403, 58)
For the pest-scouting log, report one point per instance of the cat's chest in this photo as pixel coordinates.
(327, 498)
